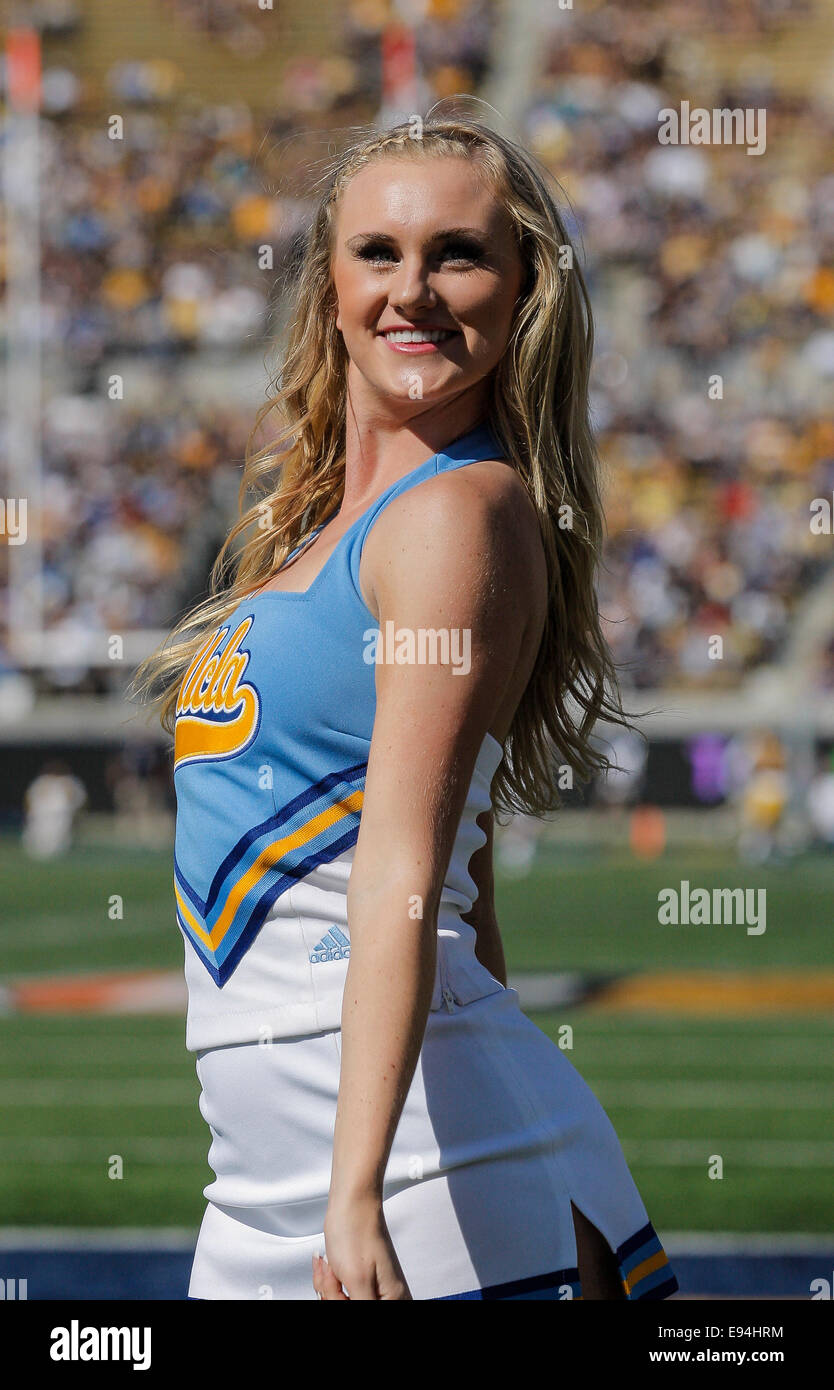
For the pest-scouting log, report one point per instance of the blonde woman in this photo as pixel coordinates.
(409, 643)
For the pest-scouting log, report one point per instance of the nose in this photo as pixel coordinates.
(412, 288)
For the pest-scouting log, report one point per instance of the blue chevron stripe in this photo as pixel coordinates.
(253, 909)
(220, 972)
(290, 818)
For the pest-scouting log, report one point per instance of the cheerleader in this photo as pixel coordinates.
(409, 644)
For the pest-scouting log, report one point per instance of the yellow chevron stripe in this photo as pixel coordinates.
(190, 918)
(266, 860)
(656, 1261)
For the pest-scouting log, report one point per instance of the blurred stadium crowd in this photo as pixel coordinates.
(703, 262)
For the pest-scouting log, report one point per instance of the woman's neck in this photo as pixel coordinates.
(382, 445)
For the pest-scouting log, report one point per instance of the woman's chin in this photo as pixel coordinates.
(414, 384)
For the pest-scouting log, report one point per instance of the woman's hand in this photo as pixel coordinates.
(360, 1255)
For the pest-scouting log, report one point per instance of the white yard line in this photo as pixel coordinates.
(659, 1153)
(71, 932)
(748, 1243)
(97, 1238)
(59, 1150)
(70, 1093)
(726, 1094)
(714, 1052)
(141, 1238)
(68, 940)
(134, 1046)
(750, 1153)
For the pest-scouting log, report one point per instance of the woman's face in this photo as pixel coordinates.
(426, 272)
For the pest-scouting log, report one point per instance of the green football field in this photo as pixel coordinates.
(79, 1091)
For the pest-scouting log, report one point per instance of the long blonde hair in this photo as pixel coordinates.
(538, 409)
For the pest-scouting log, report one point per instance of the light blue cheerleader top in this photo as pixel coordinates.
(274, 719)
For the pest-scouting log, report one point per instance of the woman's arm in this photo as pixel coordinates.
(429, 725)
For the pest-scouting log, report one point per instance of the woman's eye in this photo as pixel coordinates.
(462, 251)
(457, 253)
(376, 254)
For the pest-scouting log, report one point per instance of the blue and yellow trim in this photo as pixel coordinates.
(644, 1267)
(312, 829)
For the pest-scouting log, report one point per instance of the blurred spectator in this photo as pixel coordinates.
(622, 784)
(50, 806)
(763, 799)
(821, 804)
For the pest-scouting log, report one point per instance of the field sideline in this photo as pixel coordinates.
(77, 1090)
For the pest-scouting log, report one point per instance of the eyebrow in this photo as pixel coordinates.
(476, 234)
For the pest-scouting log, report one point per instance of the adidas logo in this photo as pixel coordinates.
(334, 945)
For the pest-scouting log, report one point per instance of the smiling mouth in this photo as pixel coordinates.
(418, 335)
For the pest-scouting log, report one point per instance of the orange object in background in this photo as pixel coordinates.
(23, 68)
(107, 992)
(647, 832)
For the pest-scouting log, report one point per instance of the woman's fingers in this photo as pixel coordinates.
(332, 1287)
(325, 1283)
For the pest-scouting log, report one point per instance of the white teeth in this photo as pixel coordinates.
(418, 335)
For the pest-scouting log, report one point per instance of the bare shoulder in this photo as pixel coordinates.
(476, 525)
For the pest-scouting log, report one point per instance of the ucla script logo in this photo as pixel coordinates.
(218, 713)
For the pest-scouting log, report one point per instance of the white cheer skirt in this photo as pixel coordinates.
(499, 1134)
